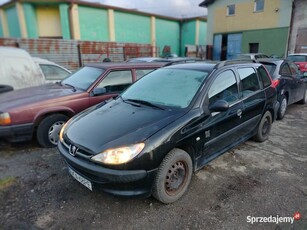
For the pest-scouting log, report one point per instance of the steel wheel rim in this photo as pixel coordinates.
(265, 127)
(176, 178)
(54, 132)
(283, 106)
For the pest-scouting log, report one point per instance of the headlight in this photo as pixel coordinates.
(5, 119)
(62, 132)
(119, 155)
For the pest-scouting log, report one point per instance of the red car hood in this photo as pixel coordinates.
(32, 95)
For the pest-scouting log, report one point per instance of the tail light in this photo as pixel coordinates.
(275, 83)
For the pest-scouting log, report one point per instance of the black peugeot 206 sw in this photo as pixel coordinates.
(170, 123)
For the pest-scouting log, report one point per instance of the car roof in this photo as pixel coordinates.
(127, 65)
(303, 54)
(144, 59)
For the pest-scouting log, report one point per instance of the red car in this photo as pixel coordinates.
(43, 110)
(300, 59)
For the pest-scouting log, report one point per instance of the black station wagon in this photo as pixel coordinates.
(170, 123)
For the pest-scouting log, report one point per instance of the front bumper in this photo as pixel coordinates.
(14, 133)
(129, 183)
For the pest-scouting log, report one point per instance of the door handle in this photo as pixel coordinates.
(239, 113)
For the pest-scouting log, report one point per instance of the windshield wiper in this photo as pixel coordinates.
(74, 89)
(145, 103)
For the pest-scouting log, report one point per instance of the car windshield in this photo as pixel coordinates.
(83, 78)
(167, 87)
(297, 58)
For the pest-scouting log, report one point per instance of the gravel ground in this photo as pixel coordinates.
(253, 180)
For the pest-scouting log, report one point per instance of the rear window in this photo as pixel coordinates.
(270, 68)
(266, 80)
(297, 58)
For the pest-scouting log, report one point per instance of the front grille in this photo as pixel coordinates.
(80, 151)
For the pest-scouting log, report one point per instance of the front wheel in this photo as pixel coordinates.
(264, 128)
(49, 129)
(173, 176)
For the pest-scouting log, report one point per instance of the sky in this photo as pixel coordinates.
(172, 8)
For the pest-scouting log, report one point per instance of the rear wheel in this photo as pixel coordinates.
(173, 176)
(264, 128)
(49, 129)
(282, 108)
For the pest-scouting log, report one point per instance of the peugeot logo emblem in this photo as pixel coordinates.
(73, 150)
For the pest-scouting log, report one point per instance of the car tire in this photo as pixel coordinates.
(49, 128)
(304, 100)
(173, 176)
(264, 128)
(282, 108)
(5, 88)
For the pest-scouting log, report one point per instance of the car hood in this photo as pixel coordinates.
(31, 95)
(116, 124)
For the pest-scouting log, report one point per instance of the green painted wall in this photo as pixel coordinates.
(202, 39)
(1, 30)
(188, 33)
(93, 24)
(64, 17)
(167, 33)
(265, 38)
(31, 22)
(132, 28)
(13, 23)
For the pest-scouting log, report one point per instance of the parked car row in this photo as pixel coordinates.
(148, 138)
(20, 70)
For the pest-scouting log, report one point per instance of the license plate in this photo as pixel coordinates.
(81, 179)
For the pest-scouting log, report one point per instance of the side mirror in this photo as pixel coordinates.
(99, 91)
(219, 106)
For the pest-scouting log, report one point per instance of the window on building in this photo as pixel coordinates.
(259, 5)
(253, 47)
(231, 10)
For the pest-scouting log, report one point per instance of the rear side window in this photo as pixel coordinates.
(224, 87)
(294, 69)
(249, 81)
(116, 81)
(52, 72)
(264, 77)
(285, 70)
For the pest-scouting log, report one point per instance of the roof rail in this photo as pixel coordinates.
(232, 62)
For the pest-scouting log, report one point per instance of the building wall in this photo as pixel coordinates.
(64, 17)
(167, 34)
(202, 40)
(49, 22)
(300, 19)
(277, 13)
(132, 28)
(31, 21)
(264, 38)
(13, 23)
(93, 24)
